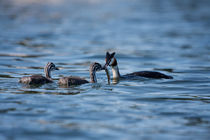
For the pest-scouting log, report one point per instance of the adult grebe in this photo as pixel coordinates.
(39, 79)
(112, 61)
(72, 80)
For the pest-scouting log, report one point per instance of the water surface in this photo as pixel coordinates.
(166, 36)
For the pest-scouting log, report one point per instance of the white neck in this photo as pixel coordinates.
(115, 72)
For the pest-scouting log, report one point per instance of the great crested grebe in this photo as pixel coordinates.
(72, 80)
(39, 79)
(112, 61)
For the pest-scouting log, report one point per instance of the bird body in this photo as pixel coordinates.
(147, 74)
(72, 80)
(35, 79)
(39, 79)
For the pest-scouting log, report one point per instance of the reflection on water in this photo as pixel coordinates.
(167, 36)
(20, 55)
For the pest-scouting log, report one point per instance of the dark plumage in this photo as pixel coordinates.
(72, 80)
(150, 74)
(35, 79)
(108, 58)
(147, 74)
(39, 79)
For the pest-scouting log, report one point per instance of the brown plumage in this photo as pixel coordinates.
(39, 79)
(35, 79)
(73, 80)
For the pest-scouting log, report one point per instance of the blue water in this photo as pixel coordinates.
(172, 37)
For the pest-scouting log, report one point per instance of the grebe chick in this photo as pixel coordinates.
(146, 74)
(73, 80)
(39, 79)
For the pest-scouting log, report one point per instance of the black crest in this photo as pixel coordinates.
(95, 66)
(109, 57)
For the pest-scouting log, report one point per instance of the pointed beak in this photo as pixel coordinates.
(104, 67)
(107, 63)
(56, 68)
(108, 58)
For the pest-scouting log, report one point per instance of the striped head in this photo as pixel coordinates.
(48, 68)
(96, 67)
(109, 58)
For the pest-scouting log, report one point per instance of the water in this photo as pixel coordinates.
(167, 36)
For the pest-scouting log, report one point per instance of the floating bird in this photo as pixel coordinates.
(73, 80)
(112, 61)
(39, 79)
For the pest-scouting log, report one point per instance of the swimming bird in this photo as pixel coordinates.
(112, 61)
(39, 79)
(74, 80)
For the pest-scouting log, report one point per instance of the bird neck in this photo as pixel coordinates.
(115, 72)
(93, 78)
(47, 71)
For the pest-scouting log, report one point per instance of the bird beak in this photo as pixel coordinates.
(108, 58)
(56, 68)
(104, 67)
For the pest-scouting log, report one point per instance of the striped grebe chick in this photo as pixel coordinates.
(39, 79)
(112, 61)
(73, 80)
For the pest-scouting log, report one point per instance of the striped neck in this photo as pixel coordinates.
(93, 68)
(93, 78)
(47, 70)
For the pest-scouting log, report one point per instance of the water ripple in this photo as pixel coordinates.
(167, 36)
